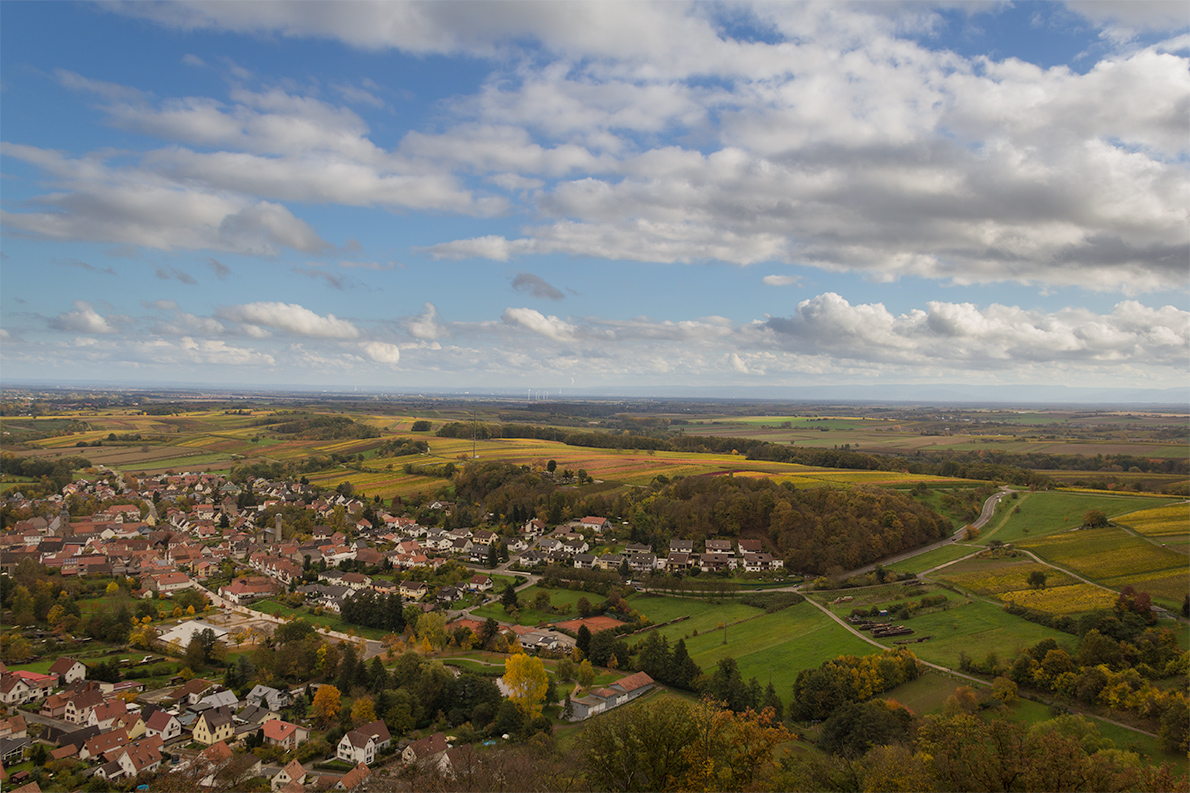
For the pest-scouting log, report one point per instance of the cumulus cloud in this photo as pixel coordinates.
(382, 352)
(289, 318)
(535, 286)
(549, 326)
(84, 319)
(426, 326)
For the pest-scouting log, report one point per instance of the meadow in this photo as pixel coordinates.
(975, 628)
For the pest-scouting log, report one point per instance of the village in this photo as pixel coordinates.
(182, 535)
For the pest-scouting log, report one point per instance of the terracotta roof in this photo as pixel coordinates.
(633, 682)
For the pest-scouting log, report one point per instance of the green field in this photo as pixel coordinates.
(703, 616)
(777, 646)
(975, 628)
(329, 621)
(931, 559)
(1056, 510)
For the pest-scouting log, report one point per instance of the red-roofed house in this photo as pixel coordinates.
(283, 734)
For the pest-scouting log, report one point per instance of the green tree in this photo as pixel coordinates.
(1037, 579)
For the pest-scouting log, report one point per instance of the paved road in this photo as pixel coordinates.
(985, 514)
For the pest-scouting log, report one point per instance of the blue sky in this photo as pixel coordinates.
(546, 195)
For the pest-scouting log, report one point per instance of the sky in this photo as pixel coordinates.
(561, 195)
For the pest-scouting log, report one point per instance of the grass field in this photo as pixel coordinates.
(704, 617)
(328, 621)
(1056, 510)
(930, 559)
(976, 628)
(765, 646)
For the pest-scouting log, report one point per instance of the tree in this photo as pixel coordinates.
(493, 556)
(1094, 519)
(363, 710)
(584, 607)
(526, 681)
(508, 598)
(551, 466)
(586, 674)
(583, 640)
(327, 703)
(1037, 579)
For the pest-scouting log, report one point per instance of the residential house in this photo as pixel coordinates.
(595, 523)
(283, 734)
(214, 725)
(290, 773)
(426, 752)
(362, 744)
(102, 743)
(68, 670)
(269, 697)
(414, 590)
(353, 778)
(78, 709)
(164, 725)
(13, 727)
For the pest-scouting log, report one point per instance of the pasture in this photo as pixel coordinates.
(975, 628)
(776, 646)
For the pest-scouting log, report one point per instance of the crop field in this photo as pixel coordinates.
(1169, 523)
(975, 628)
(1074, 598)
(998, 576)
(1105, 554)
(1056, 510)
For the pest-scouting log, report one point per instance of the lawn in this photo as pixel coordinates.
(975, 628)
(329, 621)
(926, 694)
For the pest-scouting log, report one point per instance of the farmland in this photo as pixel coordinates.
(1115, 558)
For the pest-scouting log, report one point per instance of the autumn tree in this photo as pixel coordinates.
(363, 710)
(327, 703)
(526, 681)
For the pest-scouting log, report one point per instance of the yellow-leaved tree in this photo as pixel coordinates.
(526, 681)
(363, 711)
(327, 703)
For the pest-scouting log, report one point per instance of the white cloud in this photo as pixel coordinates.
(549, 326)
(84, 319)
(290, 318)
(427, 326)
(781, 280)
(382, 352)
